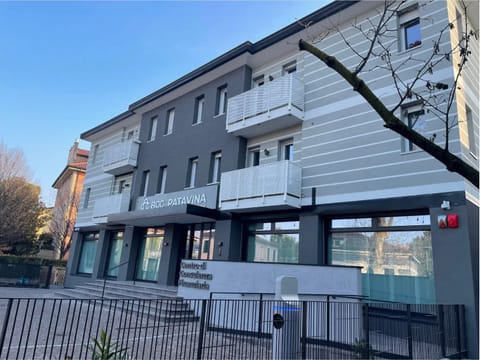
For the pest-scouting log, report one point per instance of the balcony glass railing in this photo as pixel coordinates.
(122, 155)
(281, 179)
(112, 204)
(286, 91)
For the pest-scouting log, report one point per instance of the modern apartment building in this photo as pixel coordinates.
(266, 155)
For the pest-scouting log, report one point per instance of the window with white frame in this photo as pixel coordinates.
(259, 81)
(472, 140)
(199, 105)
(285, 149)
(414, 117)
(409, 28)
(253, 156)
(169, 123)
(192, 172)
(162, 180)
(86, 200)
(95, 154)
(215, 167)
(289, 68)
(145, 181)
(221, 100)
(152, 130)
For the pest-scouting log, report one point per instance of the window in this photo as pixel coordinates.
(199, 242)
(95, 154)
(215, 167)
(414, 118)
(395, 252)
(162, 180)
(289, 68)
(286, 150)
(121, 183)
(169, 124)
(199, 105)
(273, 242)
(253, 156)
(87, 253)
(86, 200)
(192, 172)
(145, 180)
(258, 81)
(472, 140)
(410, 35)
(221, 100)
(152, 130)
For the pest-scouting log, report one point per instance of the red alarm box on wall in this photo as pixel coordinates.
(452, 221)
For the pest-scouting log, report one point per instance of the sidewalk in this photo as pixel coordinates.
(32, 293)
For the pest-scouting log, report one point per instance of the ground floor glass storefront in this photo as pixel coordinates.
(149, 253)
(395, 253)
(88, 251)
(200, 241)
(114, 254)
(275, 242)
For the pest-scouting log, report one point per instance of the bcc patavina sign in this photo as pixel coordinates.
(205, 196)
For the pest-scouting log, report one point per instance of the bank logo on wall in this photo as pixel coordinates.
(205, 197)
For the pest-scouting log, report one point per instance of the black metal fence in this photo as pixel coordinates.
(228, 329)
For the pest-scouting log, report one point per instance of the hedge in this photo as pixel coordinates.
(12, 259)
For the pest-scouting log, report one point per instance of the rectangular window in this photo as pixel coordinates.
(414, 118)
(199, 105)
(86, 200)
(394, 252)
(289, 68)
(95, 154)
(152, 130)
(221, 100)
(253, 156)
(162, 180)
(273, 242)
(259, 81)
(87, 253)
(472, 140)
(409, 21)
(169, 123)
(145, 181)
(215, 167)
(286, 149)
(192, 172)
(121, 183)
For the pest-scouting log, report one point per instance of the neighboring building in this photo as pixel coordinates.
(266, 155)
(69, 186)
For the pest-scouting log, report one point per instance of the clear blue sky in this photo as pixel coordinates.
(66, 67)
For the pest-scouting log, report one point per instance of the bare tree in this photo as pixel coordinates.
(20, 206)
(381, 33)
(63, 222)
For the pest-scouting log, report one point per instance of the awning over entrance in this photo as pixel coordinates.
(181, 214)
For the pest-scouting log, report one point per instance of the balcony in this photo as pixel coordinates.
(273, 106)
(265, 187)
(121, 158)
(112, 204)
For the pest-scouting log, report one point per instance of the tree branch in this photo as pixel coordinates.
(452, 162)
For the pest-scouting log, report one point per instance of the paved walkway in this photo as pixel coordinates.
(32, 293)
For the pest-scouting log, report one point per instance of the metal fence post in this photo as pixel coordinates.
(304, 329)
(202, 330)
(260, 316)
(328, 319)
(5, 324)
(441, 324)
(49, 276)
(366, 326)
(409, 332)
(458, 328)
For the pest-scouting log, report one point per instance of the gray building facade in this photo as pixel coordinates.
(265, 155)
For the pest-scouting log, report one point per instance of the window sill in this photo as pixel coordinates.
(473, 155)
(219, 115)
(213, 183)
(167, 134)
(405, 51)
(189, 188)
(197, 123)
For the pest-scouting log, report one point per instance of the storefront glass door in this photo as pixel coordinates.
(149, 255)
(114, 254)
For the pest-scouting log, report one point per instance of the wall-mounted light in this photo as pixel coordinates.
(445, 205)
(266, 152)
